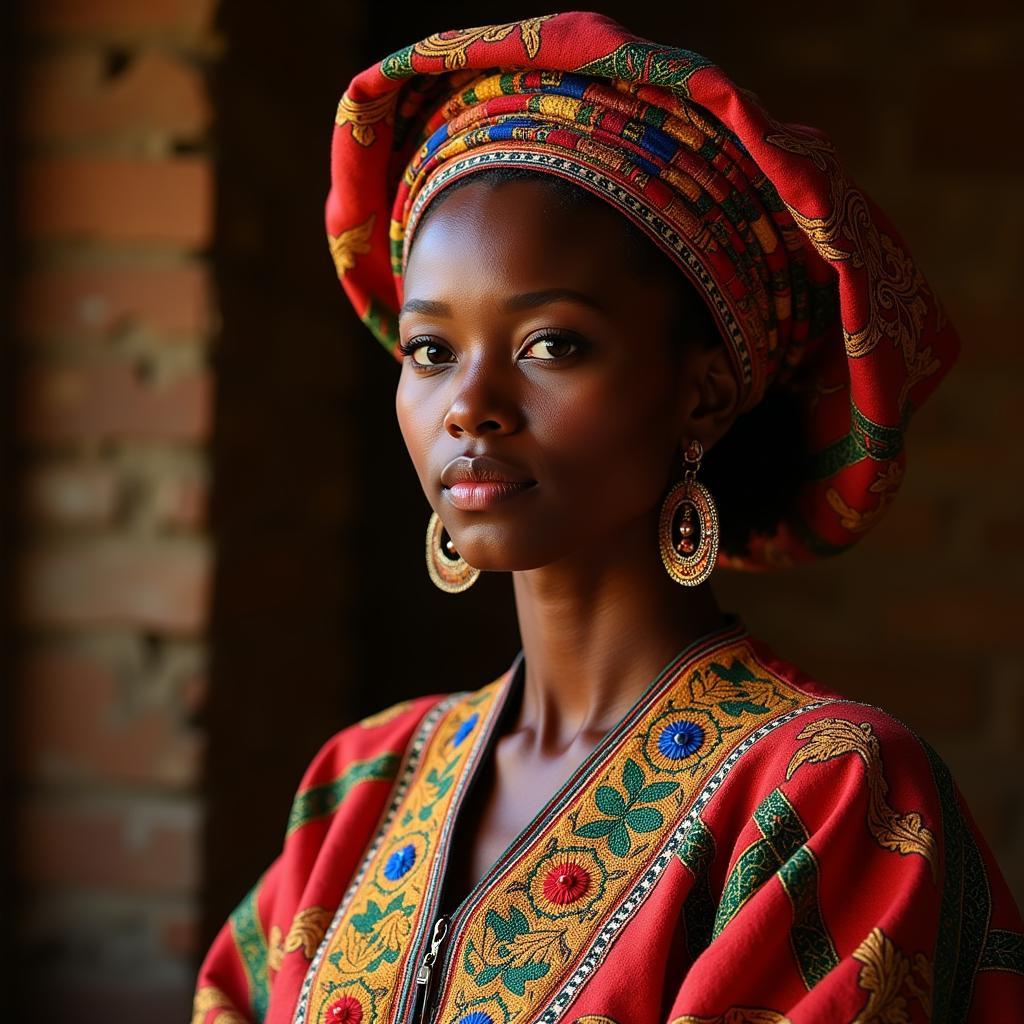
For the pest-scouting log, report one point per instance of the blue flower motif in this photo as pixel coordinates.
(400, 862)
(477, 1017)
(464, 730)
(680, 739)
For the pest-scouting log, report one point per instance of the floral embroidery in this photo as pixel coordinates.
(452, 44)
(347, 245)
(377, 937)
(400, 862)
(713, 702)
(624, 812)
(364, 949)
(623, 817)
(536, 931)
(345, 1010)
(210, 998)
(514, 952)
(566, 883)
(896, 292)
(886, 484)
(402, 858)
(584, 862)
(890, 977)
(362, 115)
(737, 1015)
(465, 729)
(832, 737)
(680, 739)
(439, 782)
(306, 931)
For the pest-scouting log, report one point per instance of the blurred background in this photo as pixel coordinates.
(212, 542)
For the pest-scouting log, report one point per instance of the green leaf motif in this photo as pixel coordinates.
(488, 974)
(515, 978)
(441, 783)
(364, 922)
(736, 673)
(656, 791)
(506, 931)
(735, 708)
(517, 955)
(596, 829)
(644, 819)
(618, 840)
(632, 778)
(623, 814)
(609, 801)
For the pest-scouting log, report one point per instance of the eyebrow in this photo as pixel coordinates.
(515, 303)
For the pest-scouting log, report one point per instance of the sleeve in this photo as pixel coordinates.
(273, 932)
(851, 886)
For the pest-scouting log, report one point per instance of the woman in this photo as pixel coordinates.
(593, 254)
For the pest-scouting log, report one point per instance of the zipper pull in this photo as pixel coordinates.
(423, 975)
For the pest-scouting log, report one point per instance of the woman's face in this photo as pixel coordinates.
(588, 396)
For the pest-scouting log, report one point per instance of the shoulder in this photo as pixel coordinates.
(374, 748)
(828, 724)
(839, 797)
(381, 736)
(838, 757)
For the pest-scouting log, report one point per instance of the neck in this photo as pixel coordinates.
(595, 633)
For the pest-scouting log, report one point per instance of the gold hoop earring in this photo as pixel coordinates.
(688, 525)
(449, 571)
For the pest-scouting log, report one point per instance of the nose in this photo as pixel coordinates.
(481, 404)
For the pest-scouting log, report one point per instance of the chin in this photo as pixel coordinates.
(500, 553)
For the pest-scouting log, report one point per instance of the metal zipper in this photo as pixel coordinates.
(424, 978)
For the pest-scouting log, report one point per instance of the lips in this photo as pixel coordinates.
(480, 469)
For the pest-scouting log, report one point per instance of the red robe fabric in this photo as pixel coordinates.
(745, 846)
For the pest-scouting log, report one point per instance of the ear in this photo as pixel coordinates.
(710, 395)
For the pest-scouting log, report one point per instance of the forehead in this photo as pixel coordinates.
(518, 231)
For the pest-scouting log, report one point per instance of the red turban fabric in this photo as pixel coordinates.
(811, 286)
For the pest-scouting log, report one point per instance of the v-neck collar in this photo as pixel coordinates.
(714, 697)
(513, 682)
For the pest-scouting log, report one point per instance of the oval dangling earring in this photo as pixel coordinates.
(688, 525)
(449, 571)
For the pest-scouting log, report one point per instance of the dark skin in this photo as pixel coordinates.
(612, 398)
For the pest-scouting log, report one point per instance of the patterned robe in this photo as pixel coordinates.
(745, 846)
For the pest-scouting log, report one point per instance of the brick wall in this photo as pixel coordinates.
(114, 322)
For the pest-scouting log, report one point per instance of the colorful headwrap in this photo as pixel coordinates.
(809, 283)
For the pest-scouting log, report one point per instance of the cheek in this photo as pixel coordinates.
(415, 421)
(603, 433)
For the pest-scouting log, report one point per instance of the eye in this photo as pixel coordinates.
(553, 343)
(425, 345)
(550, 348)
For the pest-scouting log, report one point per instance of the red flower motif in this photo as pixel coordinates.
(566, 883)
(345, 1010)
